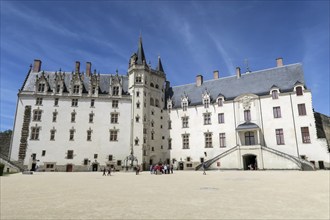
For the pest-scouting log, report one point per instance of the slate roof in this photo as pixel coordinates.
(50, 76)
(257, 82)
(247, 126)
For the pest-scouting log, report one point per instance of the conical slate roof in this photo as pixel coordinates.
(140, 53)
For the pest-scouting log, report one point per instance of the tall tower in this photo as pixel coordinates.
(146, 85)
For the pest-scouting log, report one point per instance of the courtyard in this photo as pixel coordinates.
(182, 195)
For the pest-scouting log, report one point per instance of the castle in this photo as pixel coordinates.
(75, 121)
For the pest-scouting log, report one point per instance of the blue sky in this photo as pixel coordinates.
(192, 37)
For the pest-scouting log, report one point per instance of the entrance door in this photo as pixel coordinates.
(181, 166)
(250, 162)
(95, 166)
(69, 168)
(33, 168)
(321, 165)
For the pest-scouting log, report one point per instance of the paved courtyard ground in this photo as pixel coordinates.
(182, 195)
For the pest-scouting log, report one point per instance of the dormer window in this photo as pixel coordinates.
(206, 99)
(184, 102)
(299, 90)
(274, 94)
(206, 102)
(93, 90)
(41, 87)
(75, 89)
(220, 102)
(115, 91)
(58, 88)
(184, 106)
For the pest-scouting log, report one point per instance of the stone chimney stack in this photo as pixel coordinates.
(199, 80)
(88, 69)
(77, 67)
(216, 74)
(238, 72)
(37, 66)
(279, 62)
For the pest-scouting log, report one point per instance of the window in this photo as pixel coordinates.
(152, 135)
(305, 135)
(89, 135)
(188, 159)
(208, 139)
(113, 135)
(249, 138)
(138, 105)
(71, 137)
(35, 133)
(207, 118)
(85, 161)
(136, 141)
(274, 94)
(39, 101)
(185, 122)
(144, 131)
(277, 112)
(91, 117)
(138, 79)
(37, 115)
(222, 139)
(43, 153)
(152, 103)
(52, 134)
(95, 156)
(152, 123)
(221, 118)
(152, 112)
(152, 149)
(50, 166)
(115, 91)
(73, 117)
(114, 103)
(170, 143)
(156, 102)
(279, 136)
(206, 102)
(92, 103)
(74, 102)
(301, 109)
(220, 102)
(247, 115)
(137, 118)
(76, 89)
(56, 102)
(169, 124)
(118, 162)
(41, 87)
(185, 141)
(54, 116)
(110, 157)
(184, 106)
(70, 154)
(299, 90)
(114, 118)
(58, 88)
(137, 94)
(93, 90)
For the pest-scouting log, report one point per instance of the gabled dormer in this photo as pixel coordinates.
(274, 91)
(299, 88)
(220, 100)
(58, 86)
(184, 102)
(206, 98)
(116, 85)
(76, 84)
(41, 85)
(94, 84)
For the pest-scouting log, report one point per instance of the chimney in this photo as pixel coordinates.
(77, 66)
(279, 62)
(216, 74)
(238, 72)
(199, 80)
(36, 65)
(88, 69)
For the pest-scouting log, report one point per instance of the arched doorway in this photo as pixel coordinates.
(250, 162)
(69, 168)
(95, 167)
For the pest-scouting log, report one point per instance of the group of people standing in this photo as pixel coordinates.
(107, 171)
(160, 168)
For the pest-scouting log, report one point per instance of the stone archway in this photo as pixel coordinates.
(249, 161)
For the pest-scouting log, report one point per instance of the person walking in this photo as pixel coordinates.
(204, 168)
(172, 168)
(104, 172)
(109, 171)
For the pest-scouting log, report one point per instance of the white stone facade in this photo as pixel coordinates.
(84, 122)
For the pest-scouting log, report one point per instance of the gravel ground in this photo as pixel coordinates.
(182, 195)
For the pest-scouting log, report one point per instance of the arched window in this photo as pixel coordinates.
(152, 85)
(157, 86)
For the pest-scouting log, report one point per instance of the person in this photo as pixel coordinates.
(104, 172)
(165, 169)
(172, 168)
(204, 168)
(109, 171)
(151, 168)
(137, 170)
(250, 166)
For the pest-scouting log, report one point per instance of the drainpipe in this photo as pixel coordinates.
(295, 131)
(238, 147)
(263, 136)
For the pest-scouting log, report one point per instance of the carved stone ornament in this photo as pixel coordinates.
(246, 102)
